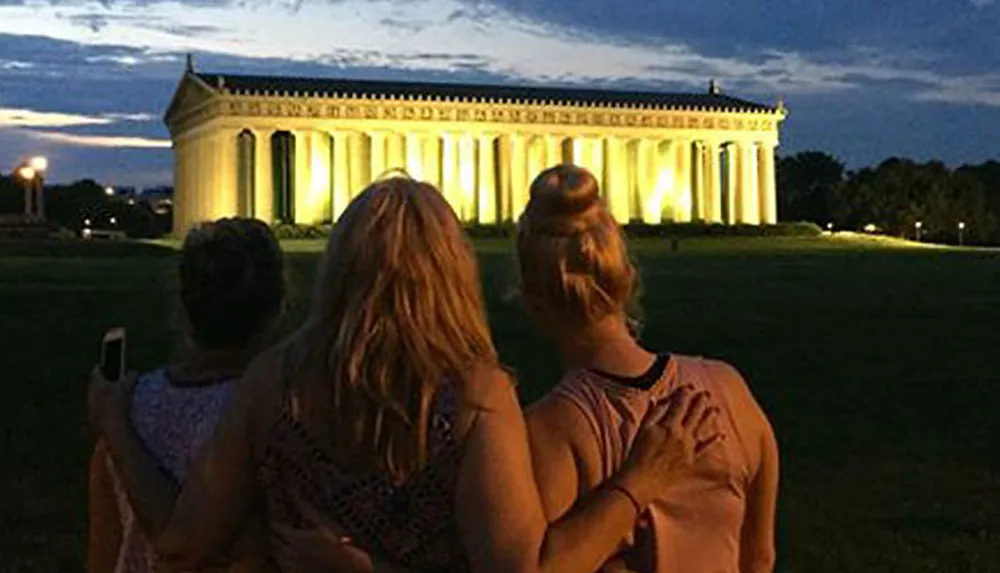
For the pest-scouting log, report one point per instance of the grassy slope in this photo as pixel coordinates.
(877, 366)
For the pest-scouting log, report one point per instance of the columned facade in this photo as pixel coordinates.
(301, 158)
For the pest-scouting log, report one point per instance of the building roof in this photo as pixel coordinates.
(376, 89)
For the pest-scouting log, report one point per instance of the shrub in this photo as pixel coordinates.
(287, 231)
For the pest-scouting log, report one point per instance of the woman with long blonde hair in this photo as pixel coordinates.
(579, 283)
(388, 420)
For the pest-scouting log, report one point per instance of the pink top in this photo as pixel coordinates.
(695, 526)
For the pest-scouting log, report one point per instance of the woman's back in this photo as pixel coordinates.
(410, 524)
(695, 525)
(173, 420)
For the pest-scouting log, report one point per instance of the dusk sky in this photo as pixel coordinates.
(86, 83)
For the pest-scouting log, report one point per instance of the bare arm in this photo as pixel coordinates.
(500, 512)
(552, 423)
(105, 530)
(757, 553)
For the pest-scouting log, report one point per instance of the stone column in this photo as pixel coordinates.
(413, 152)
(360, 158)
(650, 194)
(520, 181)
(618, 192)
(486, 207)
(749, 208)
(468, 165)
(450, 184)
(263, 186)
(553, 150)
(226, 195)
(537, 162)
(178, 168)
(321, 177)
(766, 184)
(341, 195)
(503, 184)
(395, 151)
(432, 164)
(38, 183)
(588, 152)
(378, 153)
(685, 195)
(713, 184)
(732, 176)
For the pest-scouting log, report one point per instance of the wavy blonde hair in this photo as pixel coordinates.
(397, 311)
(573, 260)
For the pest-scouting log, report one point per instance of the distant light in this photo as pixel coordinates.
(961, 225)
(27, 173)
(39, 163)
(86, 233)
(114, 221)
(131, 201)
(86, 222)
(870, 228)
(829, 226)
(109, 191)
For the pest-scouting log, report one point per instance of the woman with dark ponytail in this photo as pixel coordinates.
(232, 290)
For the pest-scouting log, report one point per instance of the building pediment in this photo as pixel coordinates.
(191, 95)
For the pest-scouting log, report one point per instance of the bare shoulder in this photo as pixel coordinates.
(731, 380)
(556, 417)
(259, 392)
(489, 387)
(756, 422)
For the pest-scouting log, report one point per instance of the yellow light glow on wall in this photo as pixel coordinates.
(415, 157)
(316, 207)
(653, 202)
(466, 209)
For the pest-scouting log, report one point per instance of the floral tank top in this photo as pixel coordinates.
(174, 423)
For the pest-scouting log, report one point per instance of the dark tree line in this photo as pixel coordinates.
(84, 203)
(893, 196)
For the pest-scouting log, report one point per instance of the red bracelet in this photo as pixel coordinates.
(626, 493)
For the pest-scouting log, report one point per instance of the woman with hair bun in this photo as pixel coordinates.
(580, 286)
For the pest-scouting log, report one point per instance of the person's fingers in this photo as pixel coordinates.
(670, 407)
(706, 418)
(697, 406)
(704, 445)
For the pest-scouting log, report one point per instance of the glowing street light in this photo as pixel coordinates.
(918, 225)
(39, 163)
(109, 191)
(829, 227)
(114, 221)
(27, 173)
(961, 233)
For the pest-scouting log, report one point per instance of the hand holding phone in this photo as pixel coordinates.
(113, 354)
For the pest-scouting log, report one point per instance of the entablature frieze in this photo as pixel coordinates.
(477, 113)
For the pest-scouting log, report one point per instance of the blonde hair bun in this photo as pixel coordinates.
(565, 200)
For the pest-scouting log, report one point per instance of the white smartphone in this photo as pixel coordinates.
(113, 354)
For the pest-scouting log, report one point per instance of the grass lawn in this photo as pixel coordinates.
(878, 366)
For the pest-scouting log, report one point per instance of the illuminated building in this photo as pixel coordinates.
(296, 150)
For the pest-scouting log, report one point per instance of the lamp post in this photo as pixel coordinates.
(32, 173)
(961, 233)
(918, 225)
(27, 175)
